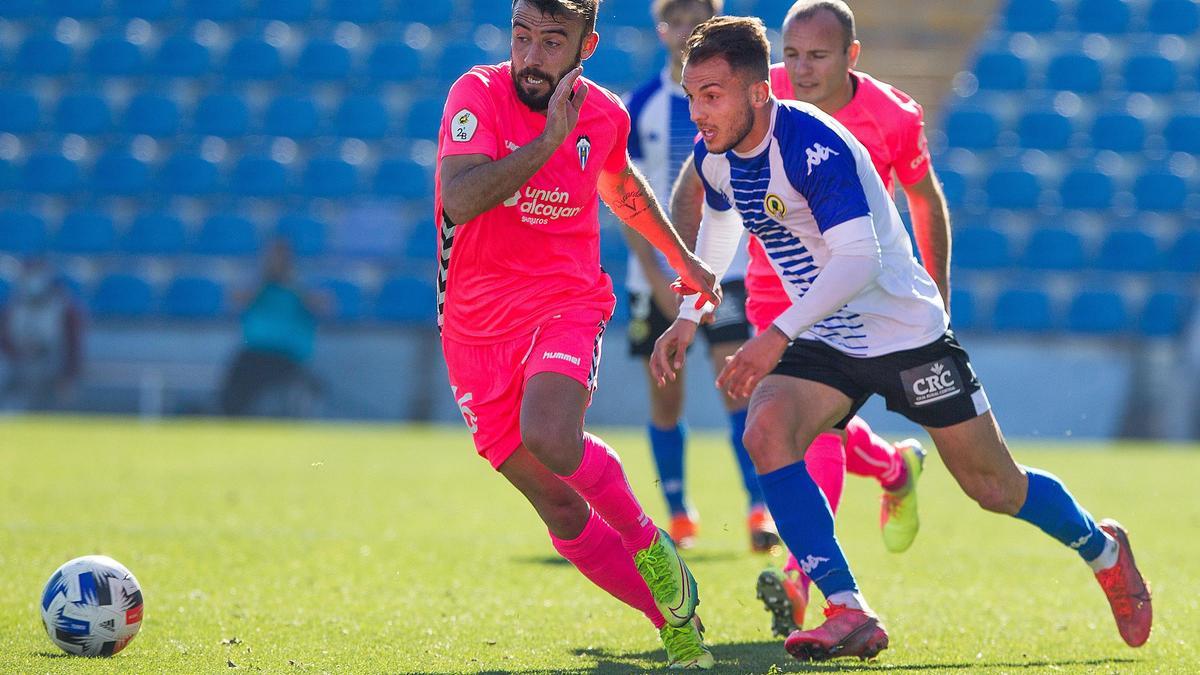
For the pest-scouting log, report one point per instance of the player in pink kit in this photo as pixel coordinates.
(523, 154)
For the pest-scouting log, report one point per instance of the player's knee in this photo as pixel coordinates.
(556, 445)
(766, 446)
(995, 496)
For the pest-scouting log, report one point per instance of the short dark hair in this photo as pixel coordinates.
(740, 40)
(584, 9)
(660, 8)
(804, 10)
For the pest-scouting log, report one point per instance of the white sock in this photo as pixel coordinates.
(850, 599)
(1107, 557)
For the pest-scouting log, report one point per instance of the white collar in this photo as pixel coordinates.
(766, 137)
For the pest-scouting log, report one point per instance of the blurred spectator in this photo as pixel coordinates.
(270, 376)
(41, 336)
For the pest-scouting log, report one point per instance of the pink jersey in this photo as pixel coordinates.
(892, 127)
(512, 267)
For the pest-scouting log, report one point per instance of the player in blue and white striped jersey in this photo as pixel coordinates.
(865, 319)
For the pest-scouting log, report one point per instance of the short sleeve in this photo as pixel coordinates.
(712, 197)
(912, 155)
(469, 119)
(824, 170)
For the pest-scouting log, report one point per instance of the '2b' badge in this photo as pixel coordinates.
(931, 382)
(464, 125)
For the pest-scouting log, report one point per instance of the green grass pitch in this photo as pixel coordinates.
(349, 549)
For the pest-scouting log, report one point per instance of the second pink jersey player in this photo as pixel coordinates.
(892, 127)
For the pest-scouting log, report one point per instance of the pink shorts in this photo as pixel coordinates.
(488, 380)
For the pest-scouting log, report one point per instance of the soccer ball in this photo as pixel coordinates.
(92, 606)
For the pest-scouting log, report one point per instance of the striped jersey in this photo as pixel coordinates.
(661, 137)
(807, 176)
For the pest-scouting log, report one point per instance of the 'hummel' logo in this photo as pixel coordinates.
(817, 154)
(810, 562)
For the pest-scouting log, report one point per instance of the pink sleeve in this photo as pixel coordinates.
(912, 156)
(469, 120)
(617, 160)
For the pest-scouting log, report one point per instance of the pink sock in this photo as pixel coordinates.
(601, 481)
(870, 455)
(598, 554)
(826, 462)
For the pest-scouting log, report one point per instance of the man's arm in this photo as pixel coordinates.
(687, 202)
(472, 184)
(931, 226)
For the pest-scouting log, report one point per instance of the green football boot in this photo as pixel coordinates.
(898, 512)
(685, 646)
(670, 581)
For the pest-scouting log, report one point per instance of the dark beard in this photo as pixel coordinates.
(540, 102)
(739, 134)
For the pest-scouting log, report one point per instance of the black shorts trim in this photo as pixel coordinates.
(729, 324)
(934, 385)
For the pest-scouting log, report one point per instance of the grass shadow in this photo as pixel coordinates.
(691, 556)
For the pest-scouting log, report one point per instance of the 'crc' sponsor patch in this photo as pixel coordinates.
(931, 382)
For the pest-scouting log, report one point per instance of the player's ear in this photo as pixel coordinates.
(589, 46)
(853, 53)
(760, 93)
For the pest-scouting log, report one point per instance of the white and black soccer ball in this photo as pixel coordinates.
(92, 606)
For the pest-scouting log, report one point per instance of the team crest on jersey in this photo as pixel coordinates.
(584, 147)
(465, 124)
(774, 206)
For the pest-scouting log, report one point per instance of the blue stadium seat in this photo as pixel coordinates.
(1054, 249)
(144, 9)
(77, 9)
(51, 173)
(216, 10)
(305, 234)
(151, 114)
(5, 291)
(1181, 17)
(330, 177)
(954, 186)
(1183, 133)
(284, 10)
(114, 56)
(123, 296)
(1109, 17)
(1097, 313)
(424, 117)
(1118, 131)
(194, 297)
(1031, 16)
(972, 128)
(86, 114)
(612, 68)
(1184, 255)
(393, 62)
(181, 56)
(421, 244)
(407, 300)
(189, 174)
(1012, 189)
(981, 248)
(431, 13)
(21, 9)
(361, 116)
(1165, 314)
(1023, 310)
(402, 178)
(227, 234)
(155, 233)
(457, 58)
(19, 113)
(1001, 71)
(1044, 130)
(964, 312)
(1086, 189)
(1160, 191)
(22, 232)
(224, 115)
(43, 55)
(1075, 72)
(1150, 74)
(291, 116)
(323, 61)
(258, 176)
(1128, 251)
(359, 11)
(500, 13)
(119, 173)
(347, 298)
(253, 59)
(8, 175)
(86, 232)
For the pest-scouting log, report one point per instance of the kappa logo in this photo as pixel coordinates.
(775, 206)
(931, 382)
(465, 124)
(1078, 543)
(468, 415)
(817, 154)
(584, 147)
(810, 563)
